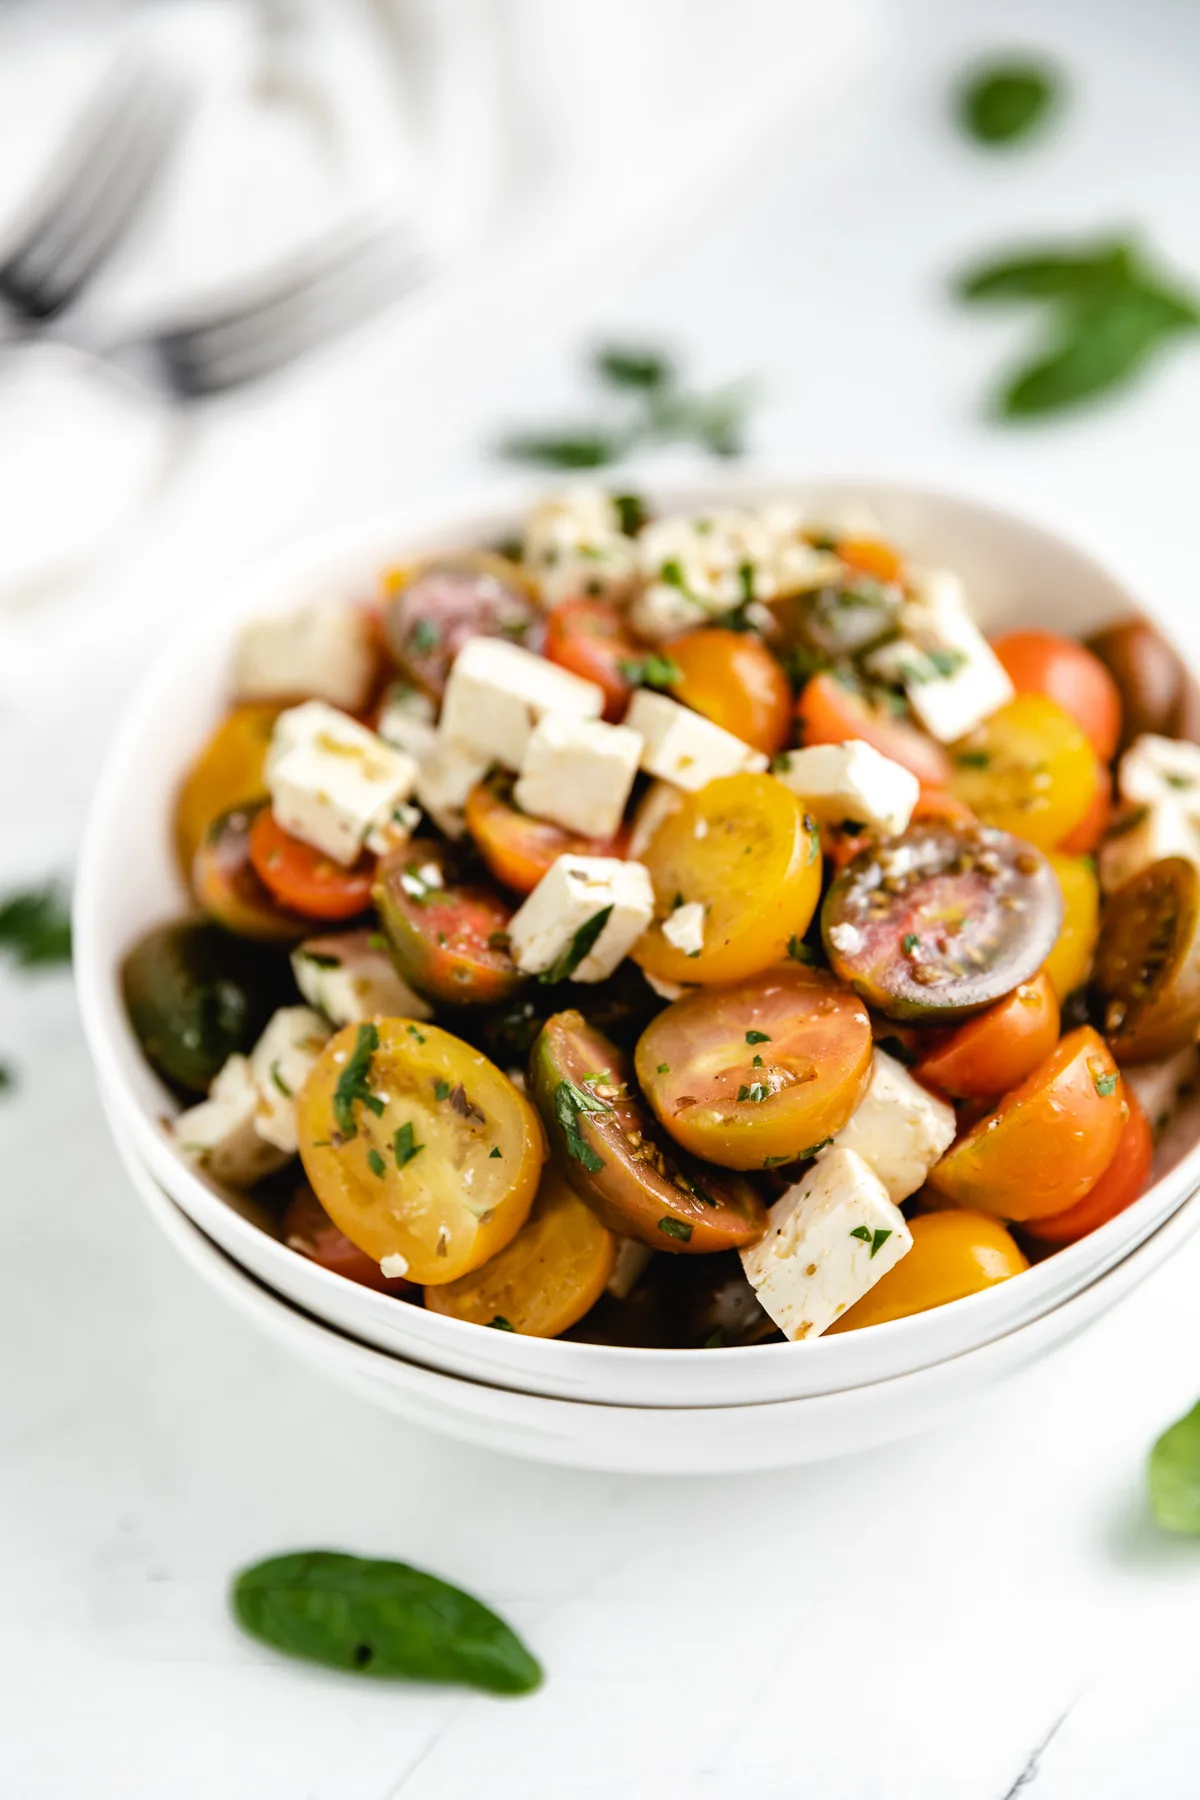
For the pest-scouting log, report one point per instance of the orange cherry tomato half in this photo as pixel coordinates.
(1123, 1182)
(953, 1254)
(304, 878)
(518, 848)
(1070, 961)
(309, 1230)
(998, 1048)
(732, 678)
(828, 713)
(229, 771)
(1094, 823)
(1029, 769)
(589, 637)
(869, 556)
(1042, 662)
(1047, 1143)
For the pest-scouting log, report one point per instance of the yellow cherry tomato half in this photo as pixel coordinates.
(1069, 963)
(554, 1270)
(228, 772)
(732, 678)
(1029, 769)
(953, 1254)
(747, 851)
(1047, 1142)
(418, 1147)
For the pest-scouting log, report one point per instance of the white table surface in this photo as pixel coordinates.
(910, 1622)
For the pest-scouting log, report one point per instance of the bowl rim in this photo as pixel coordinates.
(491, 508)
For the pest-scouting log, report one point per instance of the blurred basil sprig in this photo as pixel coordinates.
(1007, 101)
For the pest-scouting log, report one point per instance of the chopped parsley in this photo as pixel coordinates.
(715, 1341)
(676, 1228)
(414, 1033)
(876, 1239)
(500, 1323)
(579, 947)
(354, 1083)
(1106, 1085)
(754, 1093)
(1006, 101)
(494, 1151)
(800, 952)
(973, 759)
(377, 941)
(622, 366)
(403, 1146)
(756, 1062)
(757, 1037)
(498, 940)
(814, 1149)
(652, 671)
(909, 942)
(664, 1068)
(1180, 781)
(441, 1090)
(375, 1162)
(569, 1102)
(773, 1162)
(424, 636)
(321, 960)
(632, 512)
(280, 1083)
(35, 927)
(934, 665)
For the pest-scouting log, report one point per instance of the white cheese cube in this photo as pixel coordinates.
(221, 1134)
(393, 831)
(629, 1267)
(349, 976)
(1155, 770)
(669, 990)
(829, 1240)
(951, 674)
(682, 747)
(717, 559)
(281, 1063)
(1145, 836)
(569, 895)
(660, 800)
(937, 588)
(797, 567)
(851, 781)
(331, 780)
(444, 782)
(684, 928)
(898, 1128)
(574, 545)
(497, 692)
(408, 721)
(1161, 1086)
(578, 773)
(324, 651)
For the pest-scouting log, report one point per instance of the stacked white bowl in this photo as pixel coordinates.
(592, 1405)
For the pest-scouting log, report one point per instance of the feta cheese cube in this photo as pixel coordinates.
(629, 1267)
(684, 928)
(574, 545)
(716, 559)
(578, 773)
(497, 692)
(569, 895)
(325, 652)
(898, 1128)
(1161, 1086)
(444, 781)
(393, 1267)
(829, 1240)
(951, 675)
(682, 747)
(281, 1063)
(1147, 835)
(1155, 770)
(221, 1134)
(660, 800)
(408, 721)
(851, 781)
(331, 780)
(393, 831)
(349, 976)
(796, 566)
(668, 990)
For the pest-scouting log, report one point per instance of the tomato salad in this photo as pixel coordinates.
(681, 930)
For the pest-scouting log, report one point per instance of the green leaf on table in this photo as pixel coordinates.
(1174, 1475)
(380, 1618)
(1004, 102)
(1100, 345)
(35, 927)
(584, 449)
(627, 366)
(1048, 274)
(8, 1080)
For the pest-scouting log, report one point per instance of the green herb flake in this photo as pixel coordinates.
(35, 927)
(569, 1102)
(800, 952)
(280, 1083)
(632, 513)
(441, 1090)
(773, 1162)
(879, 1240)
(414, 1033)
(863, 1232)
(1174, 1476)
(404, 1147)
(494, 1151)
(1179, 781)
(424, 637)
(676, 1228)
(715, 1340)
(757, 1037)
(353, 1083)
(320, 960)
(756, 1092)
(380, 1618)
(651, 671)
(813, 1150)
(499, 940)
(1006, 102)
(578, 949)
(973, 759)
(664, 1069)
(376, 941)
(500, 1323)
(909, 942)
(1106, 1085)
(375, 1162)
(8, 1080)
(625, 367)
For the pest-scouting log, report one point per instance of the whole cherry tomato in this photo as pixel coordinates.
(1119, 1186)
(998, 1048)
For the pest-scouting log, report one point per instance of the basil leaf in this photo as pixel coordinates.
(1049, 274)
(354, 1083)
(587, 449)
(569, 1102)
(380, 1618)
(579, 947)
(1174, 1475)
(1101, 345)
(1006, 101)
(632, 368)
(35, 927)
(7, 1078)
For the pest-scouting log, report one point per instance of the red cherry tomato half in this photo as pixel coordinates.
(309, 1230)
(828, 713)
(306, 879)
(1123, 1182)
(998, 1048)
(519, 849)
(589, 638)
(1042, 662)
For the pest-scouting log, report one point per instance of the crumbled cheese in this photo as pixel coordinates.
(349, 976)
(951, 674)
(629, 1267)
(684, 928)
(444, 781)
(393, 1267)
(898, 1128)
(1157, 770)
(661, 611)
(1147, 836)
(681, 746)
(578, 773)
(661, 799)
(332, 781)
(574, 545)
(220, 1133)
(796, 567)
(407, 720)
(570, 894)
(829, 1240)
(846, 937)
(324, 652)
(851, 781)
(718, 559)
(281, 1063)
(497, 692)
(668, 990)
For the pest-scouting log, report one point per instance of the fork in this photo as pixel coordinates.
(101, 180)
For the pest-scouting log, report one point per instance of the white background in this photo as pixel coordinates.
(912, 1622)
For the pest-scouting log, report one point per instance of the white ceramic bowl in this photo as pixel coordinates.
(683, 1440)
(1016, 572)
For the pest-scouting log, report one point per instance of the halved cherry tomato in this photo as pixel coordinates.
(998, 1048)
(1048, 1141)
(761, 1073)
(309, 1231)
(1028, 769)
(590, 638)
(872, 557)
(227, 886)
(1082, 840)
(229, 771)
(433, 607)
(1147, 968)
(449, 940)
(553, 1271)
(1042, 662)
(1155, 689)
(418, 1147)
(1070, 961)
(828, 713)
(746, 849)
(518, 848)
(732, 678)
(942, 921)
(953, 1254)
(608, 1146)
(305, 879)
(1123, 1182)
